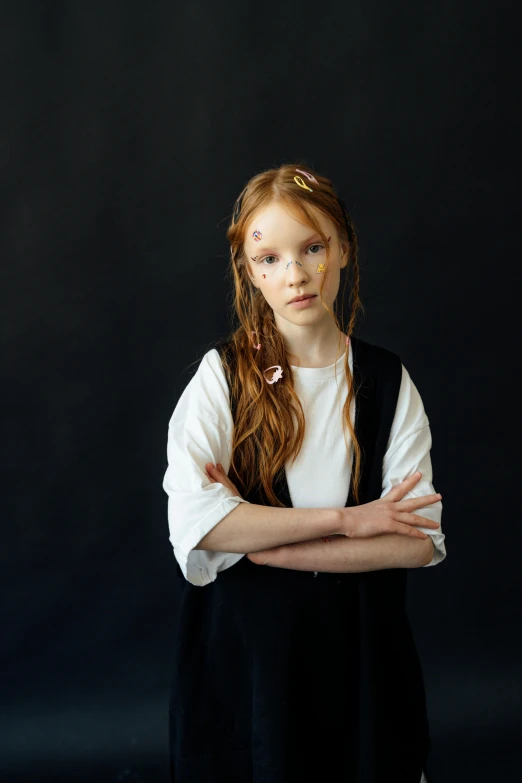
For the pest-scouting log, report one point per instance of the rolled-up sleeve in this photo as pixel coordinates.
(199, 432)
(408, 451)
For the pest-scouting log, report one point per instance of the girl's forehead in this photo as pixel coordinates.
(274, 221)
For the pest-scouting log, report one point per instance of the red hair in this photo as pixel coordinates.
(265, 436)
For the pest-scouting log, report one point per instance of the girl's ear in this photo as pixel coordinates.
(345, 248)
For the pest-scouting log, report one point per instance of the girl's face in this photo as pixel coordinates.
(286, 259)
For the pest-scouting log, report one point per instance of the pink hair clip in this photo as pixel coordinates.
(308, 176)
(277, 375)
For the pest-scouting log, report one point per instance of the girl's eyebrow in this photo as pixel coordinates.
(269, 248)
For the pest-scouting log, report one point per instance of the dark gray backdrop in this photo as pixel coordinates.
(127, 131)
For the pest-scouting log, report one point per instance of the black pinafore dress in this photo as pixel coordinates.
(283, 675)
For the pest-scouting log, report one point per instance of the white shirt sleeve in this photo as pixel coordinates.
(200, 431)
(408, 451)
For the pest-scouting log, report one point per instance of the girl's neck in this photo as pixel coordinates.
(334, 352)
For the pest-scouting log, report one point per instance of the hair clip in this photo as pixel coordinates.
(277, 375)
(256, 346)
(257, 235)
(309, 176)
(299, 181)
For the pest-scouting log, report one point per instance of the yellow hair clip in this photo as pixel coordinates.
(299, 181)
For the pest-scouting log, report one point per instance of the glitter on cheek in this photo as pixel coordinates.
(254, 259)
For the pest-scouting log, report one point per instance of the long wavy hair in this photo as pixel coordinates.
(265, 436)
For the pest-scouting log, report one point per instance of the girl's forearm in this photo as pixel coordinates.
(254, 528)
(350, 555)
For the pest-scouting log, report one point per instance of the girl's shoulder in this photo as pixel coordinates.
(205, 395)
(210, 375)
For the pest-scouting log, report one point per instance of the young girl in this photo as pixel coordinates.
(294, 657)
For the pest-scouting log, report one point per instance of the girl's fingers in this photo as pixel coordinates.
(411, 531)
(413, 503)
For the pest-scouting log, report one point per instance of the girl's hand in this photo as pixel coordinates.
(389, 514)
(218, 476)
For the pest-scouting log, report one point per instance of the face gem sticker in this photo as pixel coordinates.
(257, 235)
(320, 268)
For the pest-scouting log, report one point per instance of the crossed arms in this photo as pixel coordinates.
(349, 555)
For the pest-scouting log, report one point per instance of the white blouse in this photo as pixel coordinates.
(200, 431)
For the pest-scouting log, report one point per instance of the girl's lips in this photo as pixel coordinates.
(303, 302)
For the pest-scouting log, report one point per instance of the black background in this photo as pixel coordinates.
(127, 130)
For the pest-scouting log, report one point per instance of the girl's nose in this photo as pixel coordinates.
(295, 269)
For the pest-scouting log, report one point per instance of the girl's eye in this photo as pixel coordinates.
(318, 245)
